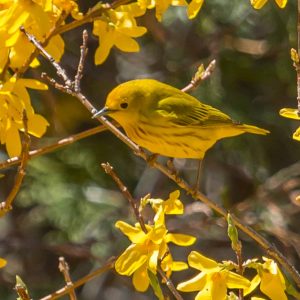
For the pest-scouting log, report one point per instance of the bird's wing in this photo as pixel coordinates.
(182, 111)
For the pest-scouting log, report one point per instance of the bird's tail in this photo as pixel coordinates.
(253, 129)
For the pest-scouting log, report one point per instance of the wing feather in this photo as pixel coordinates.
(189, 111)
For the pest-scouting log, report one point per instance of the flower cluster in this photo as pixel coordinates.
(258, 4)
(14, 99)
(149, 250)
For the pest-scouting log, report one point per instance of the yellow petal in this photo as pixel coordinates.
(173, 205)
(133, 31)
(126, 43)
(3, 58)
(56, 47)
(37, 125)
(135, 235)
(106, 42)
(253, 285)
(296, 135)
(140, 279)
(153, 261)
(236, 281)
(272, 286)
(3, 262)
(258, 4)
(33, 84)
(281, 3)
(291, 113)
(200, 262)
(217, 286)
(193, 8)
(179, 266)
(180, 239)
(13, 141)
(131, 259)
(196, 283)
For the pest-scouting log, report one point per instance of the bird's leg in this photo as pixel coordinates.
(170, 165)
(151, 159)
(198, 178)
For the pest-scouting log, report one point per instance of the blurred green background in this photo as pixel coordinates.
(67, 205)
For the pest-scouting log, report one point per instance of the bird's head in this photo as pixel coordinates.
(127, 102)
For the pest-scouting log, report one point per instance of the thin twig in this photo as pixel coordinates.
(6, 206)
(83, 54)
(55, 146)
(200, 76)
(110, 171)
(134, 204)
(270, 249)
(64, 268)
(66, 289)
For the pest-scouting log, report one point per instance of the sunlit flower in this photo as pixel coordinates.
(214, 279)
(14, 99)
(148, 249)
(3, 262)
(292, 113)
(258, 4)
(194, 7)
(171, 206)
(161, 6)
(118, 28)
(270, 278)
(37, 17)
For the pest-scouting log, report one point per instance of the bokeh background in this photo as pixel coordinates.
(67, 205)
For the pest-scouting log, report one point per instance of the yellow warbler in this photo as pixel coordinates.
(167, 121)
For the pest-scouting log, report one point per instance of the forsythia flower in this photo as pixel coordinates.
(147, 249)
(14, 98)
(171, 206)
(3, 262)
(161, 6)
(37, 17)
(292, 113)
(214, 279)
(118, 28)
(258, 4)
(270, 278)
(194, 7)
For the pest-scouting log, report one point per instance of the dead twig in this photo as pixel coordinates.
(66, 289)
(64, 268)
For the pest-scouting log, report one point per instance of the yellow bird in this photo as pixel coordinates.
(169, 122)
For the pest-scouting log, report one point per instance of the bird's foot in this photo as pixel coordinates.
(151, 159)
(171, 166)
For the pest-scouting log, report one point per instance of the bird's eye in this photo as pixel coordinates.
(124, 105)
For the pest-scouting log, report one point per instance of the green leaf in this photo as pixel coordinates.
(155, 285)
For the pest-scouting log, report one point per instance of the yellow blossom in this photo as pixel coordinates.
(161, 6)
(214, 279)
(194, 7)
(171, 206)
(292, 113)
(37, 17)
(148, 249)
(14, 98)
(3, 262)
(270, 278)
(258, 4)
(118, 28)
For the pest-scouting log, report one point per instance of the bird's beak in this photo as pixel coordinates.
(103, 112)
